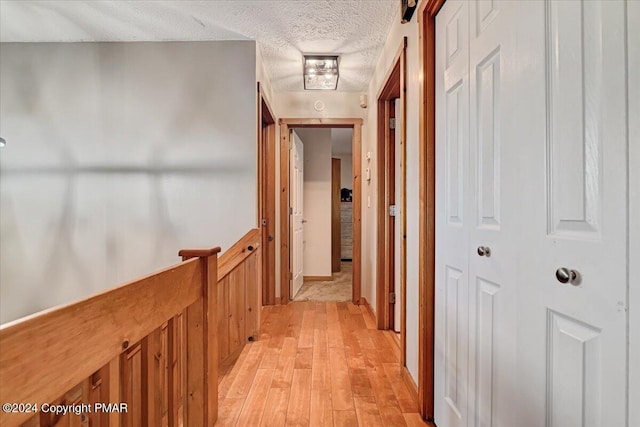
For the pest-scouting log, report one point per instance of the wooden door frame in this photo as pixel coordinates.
(267, 196)
(427, 205)
(285, 232)
(393, 88)
(336, 234)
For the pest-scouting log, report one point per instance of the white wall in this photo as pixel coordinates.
(317, 201)
(346, 170)
(338, 151)
(393, 43)
(633, 64)
(119, 155)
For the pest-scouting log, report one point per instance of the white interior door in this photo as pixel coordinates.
(452, 223)
(574, 216)
(531, 162)
(297, 208)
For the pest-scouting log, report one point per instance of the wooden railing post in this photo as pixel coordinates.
(201, 400)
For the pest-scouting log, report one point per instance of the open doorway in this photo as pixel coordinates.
(311, 209)
(391, 209)
(322, 214)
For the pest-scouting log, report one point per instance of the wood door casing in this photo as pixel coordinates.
(335, 215)
(285, 246)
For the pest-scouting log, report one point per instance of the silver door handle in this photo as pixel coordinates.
(565, 275)
(484, 251)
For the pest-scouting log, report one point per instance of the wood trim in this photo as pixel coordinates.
(236, 254)
(410, 383)
(427, 209)
(403, 205)
(336, 241)
(285, 261)
(322, 122)
(394, 88)
(267, 196)
(133, 310)
(356, 154)
(197, 253)
(317, 278)
(368, 307)
(285, 267)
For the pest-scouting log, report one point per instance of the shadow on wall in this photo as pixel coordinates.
(118, 159)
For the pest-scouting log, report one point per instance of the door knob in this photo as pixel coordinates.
(484, 251)
(564, 275)
(304, 221)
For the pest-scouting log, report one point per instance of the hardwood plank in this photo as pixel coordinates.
(321, 413)
(306, 330)
(277, 403)
(299, 408)
(320, 376)
(351, 383)
(304, 358)
(341, 394)
(414, 419)
(392, 416)
(367, 411)
(283, 374)
(255, 403)
(229, 412)
(334, 332)
(403, 396)
(242, 382)
(345, 418)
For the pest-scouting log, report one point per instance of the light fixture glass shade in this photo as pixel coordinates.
(2, 142)
(321, 72)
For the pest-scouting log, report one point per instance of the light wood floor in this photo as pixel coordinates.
(317, 364)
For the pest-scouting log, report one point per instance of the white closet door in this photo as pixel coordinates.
(452, 221)
(572, 364)
(494, 211)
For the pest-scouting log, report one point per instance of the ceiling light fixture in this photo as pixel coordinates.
(2, 142)
(321, 72)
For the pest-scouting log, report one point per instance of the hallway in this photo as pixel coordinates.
(317, 364)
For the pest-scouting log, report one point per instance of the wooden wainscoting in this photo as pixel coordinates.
(129, 345)
(239, 298)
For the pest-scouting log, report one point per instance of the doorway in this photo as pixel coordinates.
(391, 209)
(267, 196)
(291, 188)
(323, 221)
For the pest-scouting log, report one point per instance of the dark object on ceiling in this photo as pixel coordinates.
(408, 7)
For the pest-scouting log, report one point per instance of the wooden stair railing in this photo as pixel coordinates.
(150, 344)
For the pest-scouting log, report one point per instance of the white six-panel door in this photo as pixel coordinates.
(531, 164)
(572, 353)
(297, 210)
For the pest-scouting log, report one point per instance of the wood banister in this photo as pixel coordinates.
(151, 343)
(197, 253)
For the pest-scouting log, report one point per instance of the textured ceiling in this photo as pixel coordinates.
(354, 29)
